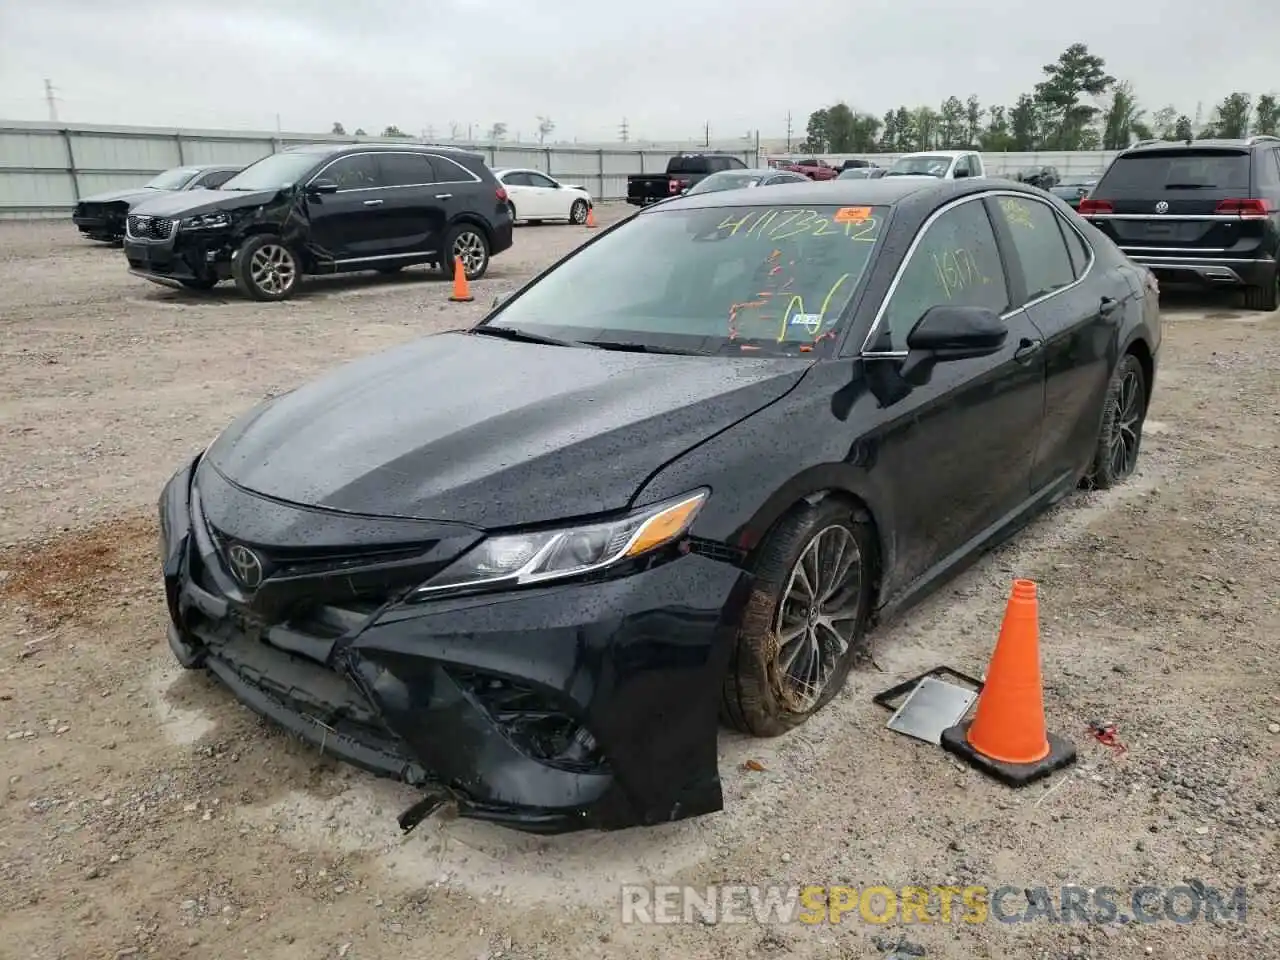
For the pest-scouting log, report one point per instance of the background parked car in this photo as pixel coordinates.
(738, 179)
(862, 173)
(102, 216)
(1074, 189)
(682, 173)
(535, 197)
(939, 164)
(324, 208)
(812, 168)
(1046, 178)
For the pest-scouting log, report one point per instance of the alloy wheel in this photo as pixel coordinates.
(273, 269)
(818, 615)
(578, 212)
(468, 248)
(1127, 431)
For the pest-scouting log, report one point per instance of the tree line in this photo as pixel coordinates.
(495, 133)
(1077, 106)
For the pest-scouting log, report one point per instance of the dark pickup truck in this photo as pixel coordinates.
(682, 173)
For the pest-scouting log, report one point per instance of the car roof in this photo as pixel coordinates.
(883, 191)
(333, 149)
(937, 153)
(1209, 143)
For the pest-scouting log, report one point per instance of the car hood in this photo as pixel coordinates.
(488, 432)
(126, 196)
(189, 203)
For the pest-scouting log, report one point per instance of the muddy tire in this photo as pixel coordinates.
(1120, 439)
(806, 620)
(265, 268)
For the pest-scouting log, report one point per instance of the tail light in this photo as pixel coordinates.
(1250, 209)
(501, 194)
(1088, 206)
(677, 186)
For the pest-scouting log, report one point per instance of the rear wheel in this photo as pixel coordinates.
(1120, 439)
(1263, 298)
(467, 243)
(266, 269)
(806, 619)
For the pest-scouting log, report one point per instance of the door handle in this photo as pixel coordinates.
(373, 203)
(1027, 349)
(1108, 306)
(444, 196)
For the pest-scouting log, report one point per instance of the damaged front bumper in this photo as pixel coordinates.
(549, 709)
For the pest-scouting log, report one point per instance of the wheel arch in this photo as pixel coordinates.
(1139, 347)
(475, 220)
(813, 486)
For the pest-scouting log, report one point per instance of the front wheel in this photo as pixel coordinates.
(578, 212)
(467, 243)
(1120, 439)
(265, 268)
(805, 621)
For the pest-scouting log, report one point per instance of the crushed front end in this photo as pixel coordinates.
(549, 708)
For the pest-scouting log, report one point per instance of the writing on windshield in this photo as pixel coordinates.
(856, 223)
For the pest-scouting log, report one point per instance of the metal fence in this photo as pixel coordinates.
(1084, 163)
(46, 167)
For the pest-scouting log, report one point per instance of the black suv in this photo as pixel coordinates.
(328, 208)
(1203, 211)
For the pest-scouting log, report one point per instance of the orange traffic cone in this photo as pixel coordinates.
(1007, 738)
(461, 289)
(591, 217)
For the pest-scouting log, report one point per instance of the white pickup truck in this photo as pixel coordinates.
(938, 164)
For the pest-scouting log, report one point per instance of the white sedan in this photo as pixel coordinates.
(536, 196)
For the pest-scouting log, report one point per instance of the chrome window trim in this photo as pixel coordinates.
(924, 228)
(399, 186)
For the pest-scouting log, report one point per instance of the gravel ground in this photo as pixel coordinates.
(143, 813)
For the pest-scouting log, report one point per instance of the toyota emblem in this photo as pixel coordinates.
(245, 565)
(1162, 207)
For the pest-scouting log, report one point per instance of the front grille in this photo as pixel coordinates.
(150, 228)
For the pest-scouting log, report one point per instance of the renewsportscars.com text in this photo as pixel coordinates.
(816, 904)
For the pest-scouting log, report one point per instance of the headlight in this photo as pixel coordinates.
(206, 221)
(522, 558)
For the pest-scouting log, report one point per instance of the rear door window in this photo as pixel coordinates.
(1040, 245)
(406, 170)
(1190, 172)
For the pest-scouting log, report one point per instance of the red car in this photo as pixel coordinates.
(811, 168)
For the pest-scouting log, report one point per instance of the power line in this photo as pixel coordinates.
(624, 131)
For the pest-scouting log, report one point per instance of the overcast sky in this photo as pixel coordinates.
(665, 67)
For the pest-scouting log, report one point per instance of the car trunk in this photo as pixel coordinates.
(1192, 182)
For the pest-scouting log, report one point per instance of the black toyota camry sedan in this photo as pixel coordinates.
(675, 478)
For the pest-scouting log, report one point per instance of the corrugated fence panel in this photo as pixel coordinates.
(144, 154)
(198, 150)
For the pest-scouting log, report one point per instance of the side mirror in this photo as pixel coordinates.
(947, 332)
(319, 187)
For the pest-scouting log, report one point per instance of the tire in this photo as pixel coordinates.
(265, 268)
(199, 283)
(514, 218)
(1263, 298)
(471, 239)
(759, 696)
(578, 212)
(1120, 439)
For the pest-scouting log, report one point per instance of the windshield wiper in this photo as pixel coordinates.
(624, 347)
(523, 336)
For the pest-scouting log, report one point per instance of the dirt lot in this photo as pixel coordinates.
(144, 814)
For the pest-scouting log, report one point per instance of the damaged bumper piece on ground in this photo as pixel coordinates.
(548, 709)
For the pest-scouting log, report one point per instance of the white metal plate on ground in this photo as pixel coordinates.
(930, 708)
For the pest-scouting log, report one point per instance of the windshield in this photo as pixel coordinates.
(855, 173)
(174, 179)
(273, 172)
(918, 166)
(725, 181)
(707, 280)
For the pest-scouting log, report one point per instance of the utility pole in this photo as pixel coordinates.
(51, 99)
(788, 133)
(624, 131)
(706, 134)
